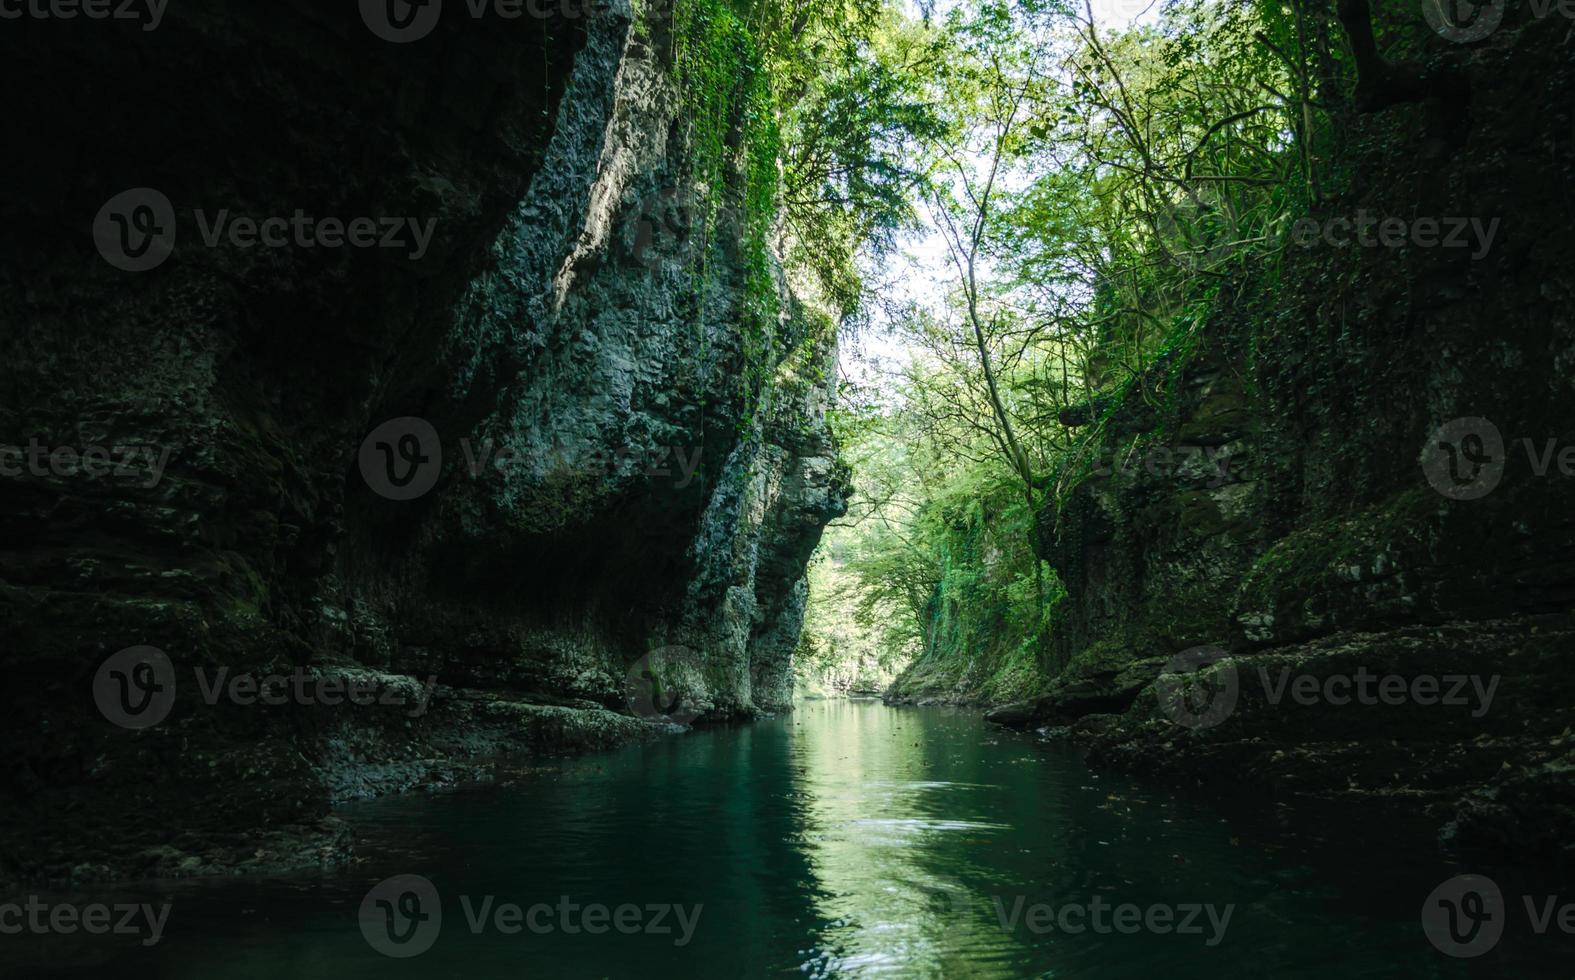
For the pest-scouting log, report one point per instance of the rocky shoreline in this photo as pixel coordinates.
(1459, 725)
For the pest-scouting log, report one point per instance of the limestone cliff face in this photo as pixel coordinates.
(1282, 496)
(483, 471)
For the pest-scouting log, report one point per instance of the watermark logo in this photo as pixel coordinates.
(1465, 916)
(686, 215)
(665, 213)
(1198, 687)
(1463, 21)
(135, 688)
(149, 12)
(1198, 239)
(402, 916)
(95, 918)
(404, 21)
(401, 458)
(401, 21)
(654, 688)
(946, 900)
(1463, 459)
(135, 230)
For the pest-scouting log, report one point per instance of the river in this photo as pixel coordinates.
(845, 839)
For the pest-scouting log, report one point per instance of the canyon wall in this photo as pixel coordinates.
(419, 378)
(1353, 472)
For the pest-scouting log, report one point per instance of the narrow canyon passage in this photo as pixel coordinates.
(847, 839)
(763, 488)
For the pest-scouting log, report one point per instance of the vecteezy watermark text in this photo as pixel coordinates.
(136, 230)
(404, 21)
(1369, 689)
(95, 918)
(591, 918)
(649, 461)
(1105, 918)
(1207, 464)
(1200, 687)
(136, 688)
(91, 462)
(402, 917)
(1372, 231)
(149, 12)
(303, 230)
(403, 458)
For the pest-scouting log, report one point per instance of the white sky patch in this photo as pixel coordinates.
(1122, 14)
(921, 271)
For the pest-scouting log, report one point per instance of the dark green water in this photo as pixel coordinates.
(848, 839)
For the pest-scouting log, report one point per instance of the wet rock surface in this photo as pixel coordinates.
(590, 476)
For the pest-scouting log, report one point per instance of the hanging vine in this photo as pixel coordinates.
(734, 143)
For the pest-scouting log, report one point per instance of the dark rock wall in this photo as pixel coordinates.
(1314, 537)
(605, 486)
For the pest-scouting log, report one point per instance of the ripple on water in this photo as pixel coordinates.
(850, 840)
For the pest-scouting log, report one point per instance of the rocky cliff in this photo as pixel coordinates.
(1327, 546)
(375, 405)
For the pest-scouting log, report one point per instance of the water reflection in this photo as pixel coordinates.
(889, 843)
(845, 840)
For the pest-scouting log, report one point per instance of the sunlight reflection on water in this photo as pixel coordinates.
(848, 840)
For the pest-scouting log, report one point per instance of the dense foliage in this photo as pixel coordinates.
(1090, 188)
(1097, 187)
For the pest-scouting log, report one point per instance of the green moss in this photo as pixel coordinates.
(1015, 677)
(1312, 559)
(733, 143)
(1177, 620)
(1109, 653)
(988, 622)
